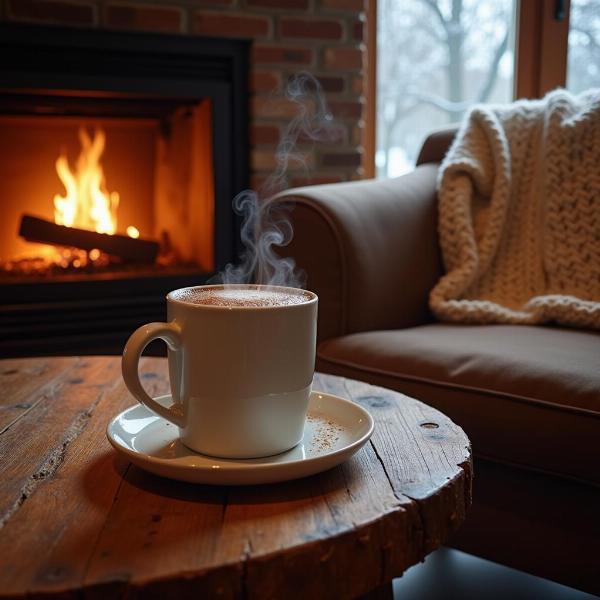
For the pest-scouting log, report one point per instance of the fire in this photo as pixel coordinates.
(87, 203)
(133, 232)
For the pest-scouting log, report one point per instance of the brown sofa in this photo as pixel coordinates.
(528, 397)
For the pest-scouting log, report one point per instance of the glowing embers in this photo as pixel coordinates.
(133, 232)
(55, 261)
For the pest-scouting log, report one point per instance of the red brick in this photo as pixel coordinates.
(258, 181)
(231, 25)
(315, 180)
(343, 58)
(358, 31)
(327, 29)
(357, 85)
(332, 85)
(262, 160)
(301, 159)
(264, 134)
(341, 159)
(346, 110)
(265, 81)
(357, 136)
(273, 108)
(265, 160)
(281, 54)
(53, 11)
(354, 5)
(337, 133)
(151, 18)
(283, 4)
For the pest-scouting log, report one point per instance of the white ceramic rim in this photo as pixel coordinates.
(278, 288)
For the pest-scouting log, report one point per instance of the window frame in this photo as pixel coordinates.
(542, 31)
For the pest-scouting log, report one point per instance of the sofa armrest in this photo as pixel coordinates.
(437, 144)
(369, 249)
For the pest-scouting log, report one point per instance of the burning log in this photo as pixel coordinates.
(34, 229)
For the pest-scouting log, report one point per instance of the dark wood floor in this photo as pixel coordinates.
(448, 574)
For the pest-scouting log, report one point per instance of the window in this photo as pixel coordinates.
(436, 58)
(583, 62)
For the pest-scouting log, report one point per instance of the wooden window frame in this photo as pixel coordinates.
(542, 36)
(370, 87)
(541, 50)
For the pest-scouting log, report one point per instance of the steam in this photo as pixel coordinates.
(266, 225)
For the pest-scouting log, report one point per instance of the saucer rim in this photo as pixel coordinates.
(245, 464)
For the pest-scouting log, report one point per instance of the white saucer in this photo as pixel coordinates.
(335, 429)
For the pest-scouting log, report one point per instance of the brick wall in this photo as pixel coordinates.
(324, 37)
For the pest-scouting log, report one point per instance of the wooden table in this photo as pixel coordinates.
(74, 516)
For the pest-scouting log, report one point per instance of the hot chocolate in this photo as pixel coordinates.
(234, 297)
(241, 360)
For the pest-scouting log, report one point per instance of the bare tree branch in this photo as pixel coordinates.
(457, 9)
(436, 9)
(452, 108)
(433, 32)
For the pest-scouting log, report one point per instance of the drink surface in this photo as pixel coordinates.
(234, 297)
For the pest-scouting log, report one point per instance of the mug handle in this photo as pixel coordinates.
(140, 338)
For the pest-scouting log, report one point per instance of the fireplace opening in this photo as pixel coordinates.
(89, 196)
(120, 156)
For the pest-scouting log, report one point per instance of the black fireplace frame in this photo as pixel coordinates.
(48, 70)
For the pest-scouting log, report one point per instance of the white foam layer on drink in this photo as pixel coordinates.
(241, 297)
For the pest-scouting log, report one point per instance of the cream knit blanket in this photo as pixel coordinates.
(519, 214)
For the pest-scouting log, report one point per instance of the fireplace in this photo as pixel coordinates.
(121, 153)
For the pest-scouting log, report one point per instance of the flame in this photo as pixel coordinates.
(87, 204)
(133, 232)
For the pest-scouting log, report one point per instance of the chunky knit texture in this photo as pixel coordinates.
(519, 214)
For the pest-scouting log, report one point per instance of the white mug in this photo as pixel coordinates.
(240, 376)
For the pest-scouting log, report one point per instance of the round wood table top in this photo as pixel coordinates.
(75, 517)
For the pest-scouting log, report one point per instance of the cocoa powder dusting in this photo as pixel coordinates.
(326, 434)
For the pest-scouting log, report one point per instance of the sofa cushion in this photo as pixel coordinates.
(524, 395)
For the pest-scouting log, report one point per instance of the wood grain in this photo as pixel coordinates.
(24, 384)
(75, 518)
(34, 229)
